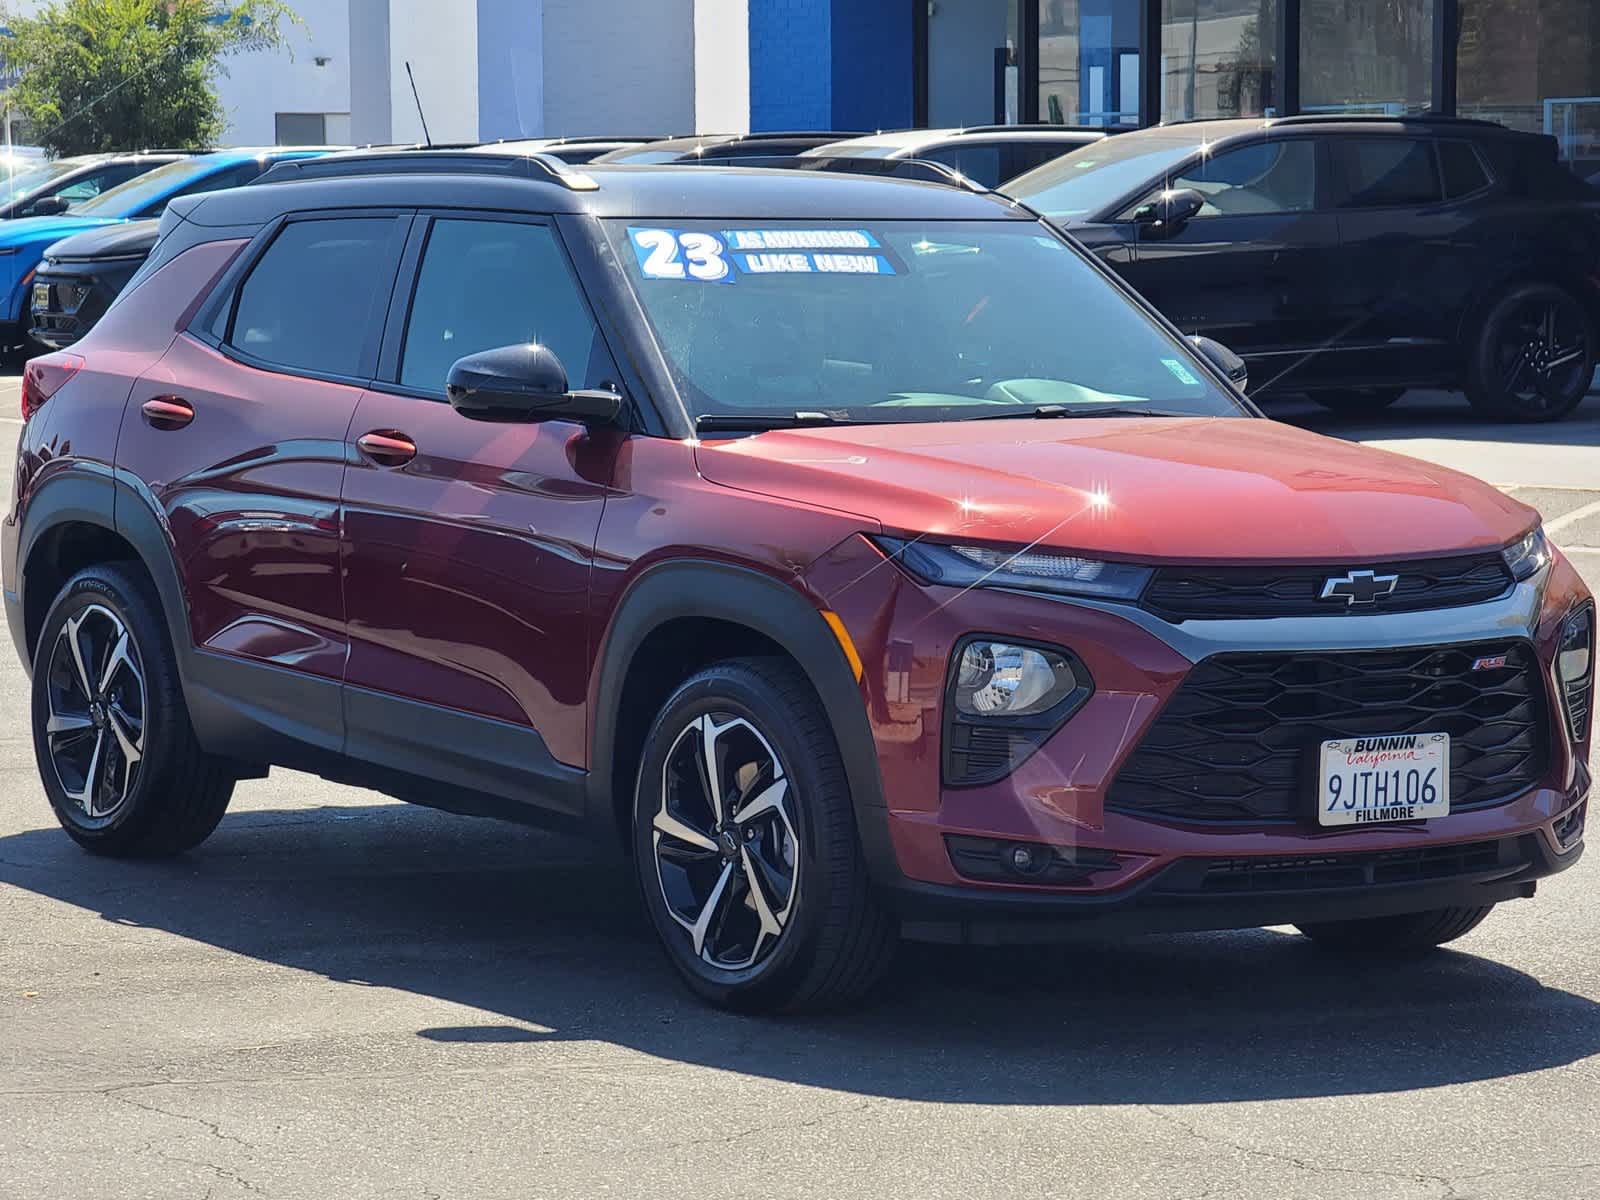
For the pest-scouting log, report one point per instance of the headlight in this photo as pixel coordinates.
(1575, 669)
(1528, 555)
(996, 679)
(1029, 570)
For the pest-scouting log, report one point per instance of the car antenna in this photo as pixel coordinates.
(420, 115)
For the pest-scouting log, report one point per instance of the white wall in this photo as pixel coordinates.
(962, 38)
(722, 66)
(619, 66)
(259, 86)
(440, 40)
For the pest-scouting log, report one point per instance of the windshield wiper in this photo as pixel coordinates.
(1041, 411)
(755, 422)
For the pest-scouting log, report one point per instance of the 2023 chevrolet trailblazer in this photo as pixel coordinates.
(857, 554)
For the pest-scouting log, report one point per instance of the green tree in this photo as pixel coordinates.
(100, 75)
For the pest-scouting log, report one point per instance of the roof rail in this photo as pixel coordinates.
(921, 170)
(432, 162)
(582, 140)
(1040, 127)
(833, 135)
(1383, 118)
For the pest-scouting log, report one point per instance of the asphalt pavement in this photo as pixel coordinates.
(338, 996)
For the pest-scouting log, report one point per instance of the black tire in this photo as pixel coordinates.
(1358, 402)
(172, 795)
(1534, 357)
(1409, 933)
(835, 940)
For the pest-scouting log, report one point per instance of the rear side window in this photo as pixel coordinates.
(1025, 156)
(1387, 172)
(306, 304)
(486, 284)
(1462, 168)
(978, 162)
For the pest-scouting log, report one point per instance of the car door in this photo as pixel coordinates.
(240, 432)
(1250, 269)
(468, 545)
(1409, 253)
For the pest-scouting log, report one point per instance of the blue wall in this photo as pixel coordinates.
(830, 64)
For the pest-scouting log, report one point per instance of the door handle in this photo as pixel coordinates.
(167, 412)
(387, 448)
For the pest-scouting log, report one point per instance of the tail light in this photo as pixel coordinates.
(43, 377)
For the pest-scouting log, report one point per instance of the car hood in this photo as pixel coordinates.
(32, 231)
(120, 239)
(1149, 489)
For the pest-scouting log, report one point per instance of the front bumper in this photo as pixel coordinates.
(904, 634)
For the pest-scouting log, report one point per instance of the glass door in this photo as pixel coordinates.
(974, 68)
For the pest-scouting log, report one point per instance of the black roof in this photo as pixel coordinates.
(654, 192)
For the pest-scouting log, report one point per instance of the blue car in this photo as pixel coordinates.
(23, 242)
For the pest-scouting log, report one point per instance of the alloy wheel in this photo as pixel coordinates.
(727, 856)
(95, 724)
(1541, 354)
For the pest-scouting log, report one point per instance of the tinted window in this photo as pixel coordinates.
(1025, 156)
(485, 284)
(1384, 172)
(1463, 170)
(978, 162)
(232, 177)
(1265, 177)
(307, 304)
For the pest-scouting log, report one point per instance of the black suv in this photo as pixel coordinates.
(1351, 258)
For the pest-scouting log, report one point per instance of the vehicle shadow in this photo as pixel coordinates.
(554, 946)
(1430, 414)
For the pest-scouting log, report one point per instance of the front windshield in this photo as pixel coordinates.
(1091, 179)
(22, 182)
(901, 321)
(128, 198)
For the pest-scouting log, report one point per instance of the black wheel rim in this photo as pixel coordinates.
(1541, 358)
(95, 712)
(726, 853)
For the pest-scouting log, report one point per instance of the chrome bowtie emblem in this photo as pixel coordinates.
(1359, 587)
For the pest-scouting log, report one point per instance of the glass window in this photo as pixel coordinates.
(1463, 169)
(899, 321)
(1366, 56)
(1217, 58)
(486, 284)
(1089, 62)
(307, 304)
(977, 161)
(1535, 65)
(1385, 172)
(300, 129)
(1090, 180)
(1265, 177)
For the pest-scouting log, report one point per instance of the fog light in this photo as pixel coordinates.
(1025, 860)
(1575, 669)
(996, 679)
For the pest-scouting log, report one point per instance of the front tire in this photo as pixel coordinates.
(745, 845)
(1535, 356)
(1410, 933)
(116, 752)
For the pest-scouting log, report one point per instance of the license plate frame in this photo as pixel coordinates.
(1384, 779)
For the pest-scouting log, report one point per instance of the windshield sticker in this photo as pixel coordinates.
(1184, 375)
(706, 257)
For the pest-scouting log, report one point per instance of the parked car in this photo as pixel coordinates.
(80, 276)
(987, 154)
(568, 149)
(48, 189)
(1353, 258)
(24, 241)
(774, 528)
(722, 148)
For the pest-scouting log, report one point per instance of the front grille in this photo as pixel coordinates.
(1214, 593)
(1239, 740)
(1316, 872)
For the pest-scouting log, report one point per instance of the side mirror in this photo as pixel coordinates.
(524, 383)
(1224, 360)
(1170, 211)
(48, 206)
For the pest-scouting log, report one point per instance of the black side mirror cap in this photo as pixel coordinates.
(524, 383)
(1224, 360)
(1171, 210)
(48, 206)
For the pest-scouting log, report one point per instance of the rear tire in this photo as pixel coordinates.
(1359, 402)
(1535, 356)
(783, 826)
(1409, 933)
(116, 752)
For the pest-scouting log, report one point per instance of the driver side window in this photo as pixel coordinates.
(1261, 178)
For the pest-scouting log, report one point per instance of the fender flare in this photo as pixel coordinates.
(690, 588)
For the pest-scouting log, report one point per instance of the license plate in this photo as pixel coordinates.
(41, 297)
(1400, 777)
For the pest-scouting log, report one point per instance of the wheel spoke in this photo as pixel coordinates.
(67, 723)
(770, 924)
(130, 745)
(1510, 375)
(669, 826)
(119, 657)
(713, 902)
(709, 731)
(1561, 357)
(69, 632)
(768, 801)
(91, 777)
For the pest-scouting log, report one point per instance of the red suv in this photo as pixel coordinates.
(776, 528)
